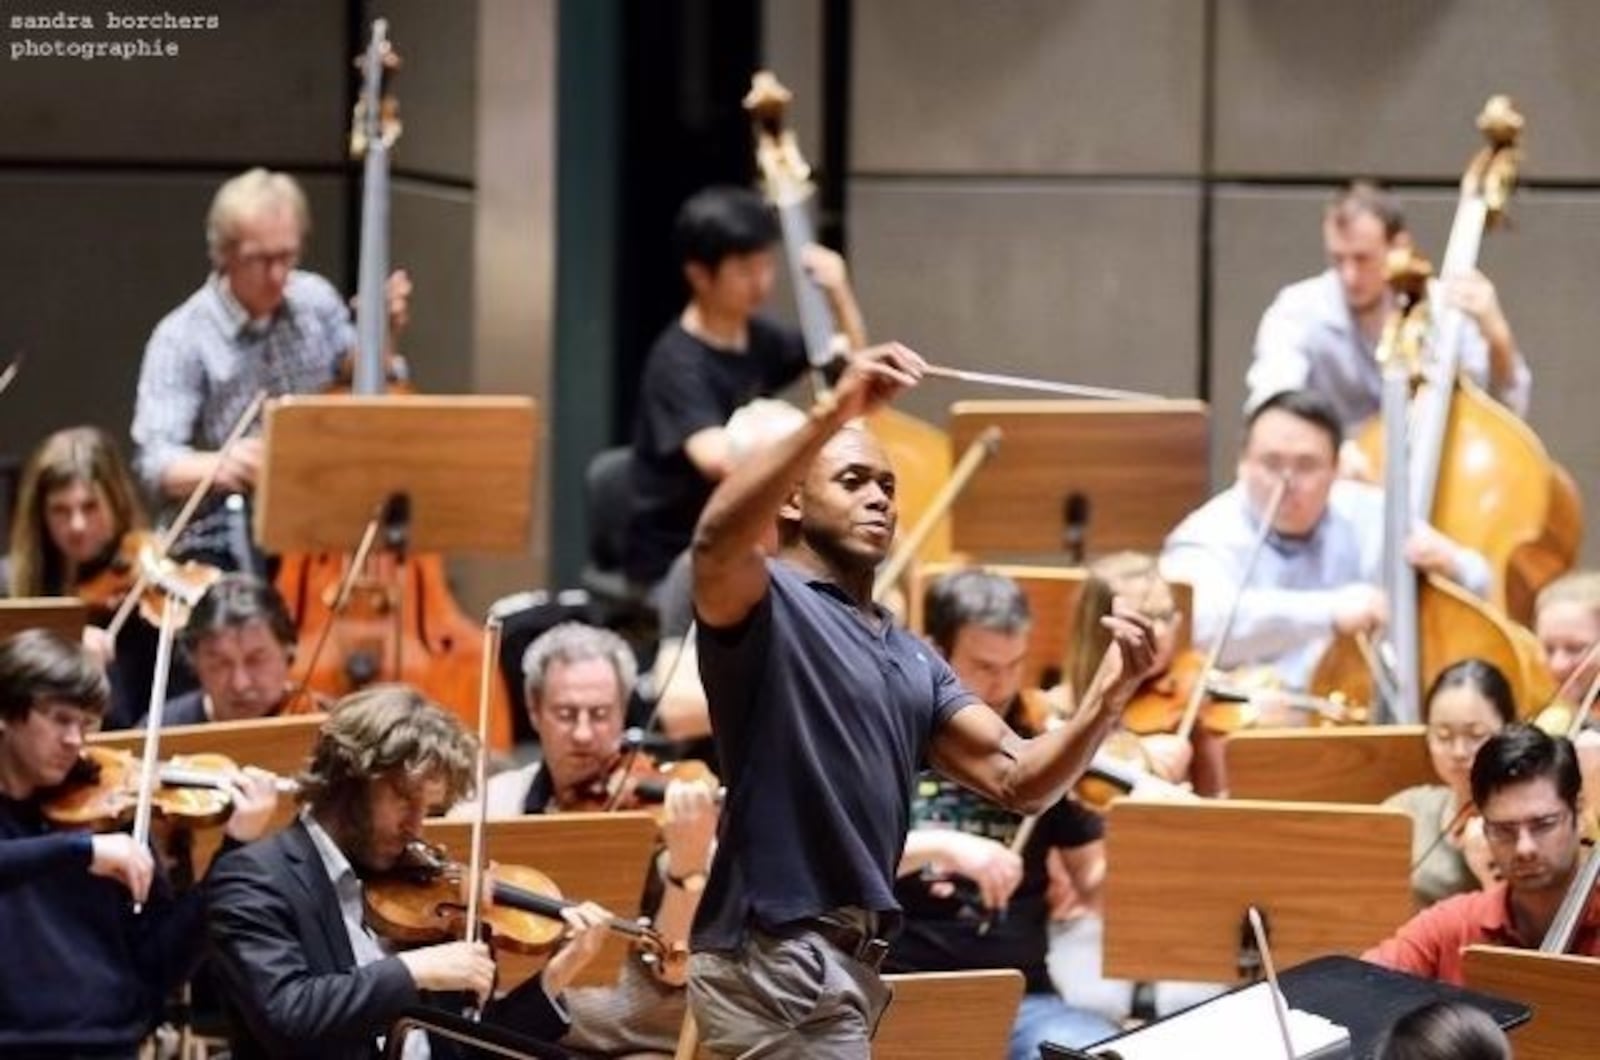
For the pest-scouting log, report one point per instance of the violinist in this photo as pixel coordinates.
(578, 679)
(1525, 787)
(240, 640)
(1321, 334)
(823, 711)
(1566, 619)
(972, 899)
(302, 976)
(718, 354)
(1321, 566)
(75, 532)
(85, 975)
(258, 322)
(1469, 702)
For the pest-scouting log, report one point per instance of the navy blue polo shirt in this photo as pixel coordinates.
(821, 724)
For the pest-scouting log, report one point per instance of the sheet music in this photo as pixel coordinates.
(1239, 1026)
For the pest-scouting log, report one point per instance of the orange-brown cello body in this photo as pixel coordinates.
(1500, 493)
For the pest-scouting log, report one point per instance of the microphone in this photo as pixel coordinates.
(1075, 532)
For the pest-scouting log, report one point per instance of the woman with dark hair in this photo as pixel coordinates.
(1445, 1030)
(1468, 703)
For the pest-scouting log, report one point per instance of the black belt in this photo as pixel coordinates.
(870, 950)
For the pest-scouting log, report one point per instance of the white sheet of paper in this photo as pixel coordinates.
(1239, 1026)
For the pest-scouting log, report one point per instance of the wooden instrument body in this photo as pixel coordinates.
(1454, 625)
(1500, 494)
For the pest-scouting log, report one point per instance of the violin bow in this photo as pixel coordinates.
(1197, 695)
(1046, 386)
(1580, 710)
(341, 600)
(149, 767)
(9, 376)
(186, 513)
(475, 865)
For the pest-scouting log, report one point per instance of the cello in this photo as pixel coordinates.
(1434, 622)
(393, 618)
(1478, 473)
(918, 451)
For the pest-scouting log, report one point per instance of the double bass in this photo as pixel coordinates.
(1477, 472)
(398, 620)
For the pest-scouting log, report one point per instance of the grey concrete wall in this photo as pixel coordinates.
(1110, 191)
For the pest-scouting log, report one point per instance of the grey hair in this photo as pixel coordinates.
(573, 642)
(977, 597)
(250, 194)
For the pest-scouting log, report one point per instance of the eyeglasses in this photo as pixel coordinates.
(1538, 827)
(568, 717)
(1294, 468)
(65, 719)
(1445, 736)
(263, 259)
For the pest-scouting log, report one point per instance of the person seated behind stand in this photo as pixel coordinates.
(257, 323)
(1566, 618)
(577, 681)
(1318, 572)
(1322, 334)
(714, 358)
(240, 640)
(1445, 1030)
(1468, 703)
(84, 975)
(76, 502)
(301, 974)
(970, 899)
(1525, 786)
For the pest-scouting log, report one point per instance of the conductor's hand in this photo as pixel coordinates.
(875, 376)
(1131, 655)
(117, 857)
(452, 966)
(586, 933)
(991, 866)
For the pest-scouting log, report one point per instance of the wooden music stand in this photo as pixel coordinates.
(65, 615)
(1353, 763)
(1328, 879)
(1052, 594)
(1561, 989)
(466, 465)
(278, 745)
(1141, 466)
(599, 857)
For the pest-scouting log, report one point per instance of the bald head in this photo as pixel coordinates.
(844, 509)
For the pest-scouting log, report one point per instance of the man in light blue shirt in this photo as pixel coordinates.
(1318, 572)
(1322, 333)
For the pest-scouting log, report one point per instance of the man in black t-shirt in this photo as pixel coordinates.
(823, 712)
(971, 898)
(714, 359)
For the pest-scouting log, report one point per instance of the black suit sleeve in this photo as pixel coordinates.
(528, 1010)
(256, 937)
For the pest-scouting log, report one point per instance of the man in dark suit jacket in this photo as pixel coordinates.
(301, 975)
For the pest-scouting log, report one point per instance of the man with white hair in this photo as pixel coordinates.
(257, 323)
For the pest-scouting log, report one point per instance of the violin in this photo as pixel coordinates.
(138, 563)
(420, 902)
(636, 782)
(101, 793)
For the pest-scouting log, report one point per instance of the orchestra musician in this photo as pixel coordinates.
(1445, 1030)
(1525, 787)
(240, 640)
(301, 974)
(718, 355)
(1321, 566)
(257, 323)
(75, 530)
(972, 897)
(1566, 619)
(1321, 333)
(822, 711)
(578, 680)
(85, 974)
(1467, 704)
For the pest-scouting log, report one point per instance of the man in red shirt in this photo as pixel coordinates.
(1525, 784)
